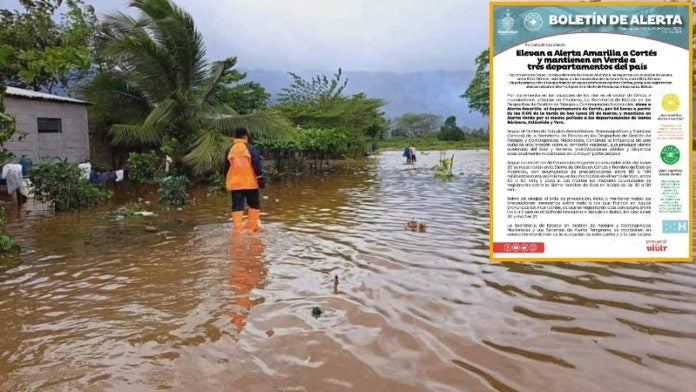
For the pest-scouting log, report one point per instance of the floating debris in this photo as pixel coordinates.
(269, 333)
(414, 225)
(316, 312)
(150, 229)
(145, 213)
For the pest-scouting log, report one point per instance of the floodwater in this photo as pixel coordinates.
(98, 304)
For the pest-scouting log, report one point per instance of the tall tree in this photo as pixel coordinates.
(450, 130)
(477, 93)
(169, 91)
(320, 103)
(319, 88)
(416, 124)
(246, 97)
(44, 52)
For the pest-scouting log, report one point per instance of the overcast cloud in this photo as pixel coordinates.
(357, 35)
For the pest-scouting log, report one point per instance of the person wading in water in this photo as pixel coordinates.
(243, 178)
(410, 154)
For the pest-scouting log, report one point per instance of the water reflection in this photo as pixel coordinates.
(247, 271)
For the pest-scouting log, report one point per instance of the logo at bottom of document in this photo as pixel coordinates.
(656, 245)
(518, 247)
(675, 226)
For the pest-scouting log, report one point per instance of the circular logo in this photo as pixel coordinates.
(533, 21)
(670, 102)
(670, 154)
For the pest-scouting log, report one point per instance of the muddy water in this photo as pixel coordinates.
(98, 304)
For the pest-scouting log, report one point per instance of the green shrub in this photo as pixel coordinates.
(7, 244)
(217, 182)
(63, 186)
(142, 167)
(325, 143)
(172, 190)
(444, 168)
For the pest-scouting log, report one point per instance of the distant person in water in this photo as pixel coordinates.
(243, 179)
(410, 154)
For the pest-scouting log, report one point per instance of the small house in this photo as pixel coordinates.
(55, 126)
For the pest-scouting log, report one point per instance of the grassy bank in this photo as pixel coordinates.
(432, 143)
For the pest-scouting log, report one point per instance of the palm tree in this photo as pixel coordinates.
(166, 89)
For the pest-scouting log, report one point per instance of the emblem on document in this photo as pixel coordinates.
(507, 23)
(670, 154)
(533, 21)
(670, 102)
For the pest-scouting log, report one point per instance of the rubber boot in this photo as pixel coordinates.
(237, 218)
(253, 220)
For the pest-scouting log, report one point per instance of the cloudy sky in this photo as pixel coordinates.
(357, 35)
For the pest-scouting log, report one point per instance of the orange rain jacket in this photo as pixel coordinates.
(243, 167)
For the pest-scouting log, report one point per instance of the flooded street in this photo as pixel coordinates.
(98, 304)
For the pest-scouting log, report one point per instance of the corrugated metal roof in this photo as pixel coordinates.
(29, 94)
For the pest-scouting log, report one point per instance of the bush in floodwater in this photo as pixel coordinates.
(63, 186)
(142, 167)
(172, 190)
(444, 168)
(7, 244)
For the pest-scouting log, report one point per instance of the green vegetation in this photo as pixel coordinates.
(244, 98)
(319, 104)
(450, 130)
(477, 94)
(142, 167)
(432, 143)
(217, 183)
(8, 128)
(443, 169)
(63, 186)
(7, 244)
(450, 137)
(416, 125)
(172, 190)
(155, 69)
(327, 124)
(42, 51)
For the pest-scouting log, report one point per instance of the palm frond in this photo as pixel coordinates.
(120, 24)
(218, 71)
(175, 31)
(207, 152)
(113, 99)
(161, 115)
(146, 65)
(134, 135)
(266, 125)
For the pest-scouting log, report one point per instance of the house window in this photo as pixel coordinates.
(49, 125)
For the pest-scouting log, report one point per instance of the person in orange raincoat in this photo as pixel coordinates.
(244, 178)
